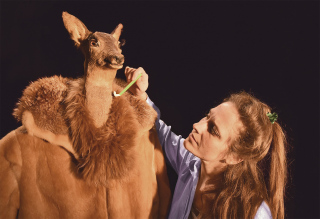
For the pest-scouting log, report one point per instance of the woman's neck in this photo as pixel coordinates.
(211, 172)
(210, 177)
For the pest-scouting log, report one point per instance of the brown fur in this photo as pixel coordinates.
(104, 153)
(43, 99)
(122, 169)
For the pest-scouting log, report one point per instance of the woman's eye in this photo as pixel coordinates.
(212, 129)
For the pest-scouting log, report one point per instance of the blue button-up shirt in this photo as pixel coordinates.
(187, 166)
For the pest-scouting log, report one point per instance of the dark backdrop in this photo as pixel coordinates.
(196, 53)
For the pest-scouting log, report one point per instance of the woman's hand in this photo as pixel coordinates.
(139, 88)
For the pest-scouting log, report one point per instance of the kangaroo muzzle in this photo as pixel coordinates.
(115, 61)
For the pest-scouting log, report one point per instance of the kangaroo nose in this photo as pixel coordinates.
(119, 59)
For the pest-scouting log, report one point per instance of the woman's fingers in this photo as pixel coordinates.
(129, 73)
(141, 85)
(137, 72)
(132, 73)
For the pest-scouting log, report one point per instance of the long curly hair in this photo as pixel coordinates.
(261, 176)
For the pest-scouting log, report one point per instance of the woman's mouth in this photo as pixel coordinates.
(193, 138)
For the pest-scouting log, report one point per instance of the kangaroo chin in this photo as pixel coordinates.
(114, 66)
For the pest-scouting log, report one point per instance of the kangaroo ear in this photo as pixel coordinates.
(77, 30)
(117, 32)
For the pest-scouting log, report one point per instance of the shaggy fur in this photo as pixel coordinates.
(116, 171)
(43, 99)
(58, 104)
(105, 153)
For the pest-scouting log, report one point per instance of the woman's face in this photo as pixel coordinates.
(210, 136)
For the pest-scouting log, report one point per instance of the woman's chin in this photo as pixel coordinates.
(189, 146)
(186, 143)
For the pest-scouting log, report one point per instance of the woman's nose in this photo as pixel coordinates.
(200, 126)
(195, 128)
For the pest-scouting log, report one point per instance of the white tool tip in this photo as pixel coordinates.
(115, 94)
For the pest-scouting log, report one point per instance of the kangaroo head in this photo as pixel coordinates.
(101, 50)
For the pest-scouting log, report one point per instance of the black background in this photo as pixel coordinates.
(196, 53)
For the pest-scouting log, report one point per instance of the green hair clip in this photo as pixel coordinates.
(273, 117)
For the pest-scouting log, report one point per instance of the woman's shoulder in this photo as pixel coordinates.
(263, 212)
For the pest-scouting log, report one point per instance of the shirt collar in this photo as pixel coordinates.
(194, 167)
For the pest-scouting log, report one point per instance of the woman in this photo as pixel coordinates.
(222, 164)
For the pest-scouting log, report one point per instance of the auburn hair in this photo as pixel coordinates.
(261, 176)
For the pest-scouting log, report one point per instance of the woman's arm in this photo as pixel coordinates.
(171, 143)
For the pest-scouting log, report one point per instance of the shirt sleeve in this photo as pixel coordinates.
(263, 212)
(171, 143)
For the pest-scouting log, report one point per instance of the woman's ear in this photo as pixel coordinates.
(233, 159)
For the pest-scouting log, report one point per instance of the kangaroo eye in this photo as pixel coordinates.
(94, 43)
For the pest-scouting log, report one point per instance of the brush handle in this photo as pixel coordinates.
(129, 85)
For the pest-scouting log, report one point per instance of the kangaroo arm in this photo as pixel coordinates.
(56, 139)
(40, 110)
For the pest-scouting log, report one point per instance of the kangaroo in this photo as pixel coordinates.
(102, 60)
(81, 152)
